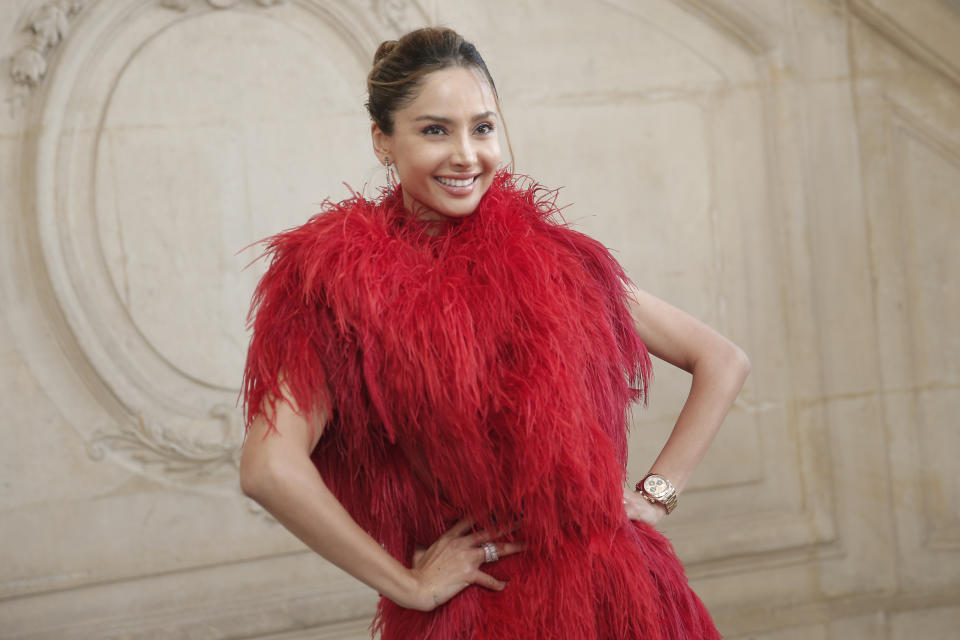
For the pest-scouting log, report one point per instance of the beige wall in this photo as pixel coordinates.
(788, 170)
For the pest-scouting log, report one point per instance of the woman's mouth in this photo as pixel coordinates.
(456, 183)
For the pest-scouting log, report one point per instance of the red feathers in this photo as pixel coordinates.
(478, 367)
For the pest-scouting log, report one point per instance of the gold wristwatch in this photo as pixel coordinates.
(657, 490)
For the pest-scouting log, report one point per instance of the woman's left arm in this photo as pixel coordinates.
(719, 369)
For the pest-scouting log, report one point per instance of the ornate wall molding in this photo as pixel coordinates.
(908, 125)
(48, 26)
(940, 521)
(152, 445)
(743, 28)
(399, 16)
(936, 49)
(166, 421)
(183, 5)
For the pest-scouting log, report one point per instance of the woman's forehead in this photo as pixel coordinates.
(455, 91)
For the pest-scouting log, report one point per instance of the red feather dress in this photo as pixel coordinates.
(484, 367)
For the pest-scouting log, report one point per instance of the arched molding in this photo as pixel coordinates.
(182, 5)
(744, 28)
(159, 419)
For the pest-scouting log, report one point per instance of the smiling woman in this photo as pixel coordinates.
(444, 144)
(438, 382)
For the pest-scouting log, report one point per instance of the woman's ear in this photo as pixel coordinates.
(381, 142)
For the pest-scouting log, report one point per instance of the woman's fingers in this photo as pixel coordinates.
(503, 549)
(480, 537)
(509, 548)
(486, 535)
(453, 562)
(488, 581)
(460, 528)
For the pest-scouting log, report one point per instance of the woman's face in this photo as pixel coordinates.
(444, 145)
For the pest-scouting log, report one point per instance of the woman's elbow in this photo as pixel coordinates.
(736, 363)
(739, 363)
(725, 361)
(257, 473)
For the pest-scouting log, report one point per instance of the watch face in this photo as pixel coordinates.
(656, 486)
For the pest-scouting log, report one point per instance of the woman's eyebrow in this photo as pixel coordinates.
(434, 118)
(443, 120)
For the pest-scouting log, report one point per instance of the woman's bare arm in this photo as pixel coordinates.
(719, 369)
(277, 472)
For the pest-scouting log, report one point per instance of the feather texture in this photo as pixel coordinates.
(484, 367)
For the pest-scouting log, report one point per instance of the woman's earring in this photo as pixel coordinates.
(389, 176)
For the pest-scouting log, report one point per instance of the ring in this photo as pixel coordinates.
(490, 552)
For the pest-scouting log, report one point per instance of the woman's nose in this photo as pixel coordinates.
(464, 153)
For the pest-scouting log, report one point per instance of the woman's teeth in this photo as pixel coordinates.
(450, 182)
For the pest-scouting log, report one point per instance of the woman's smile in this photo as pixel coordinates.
(456, 183)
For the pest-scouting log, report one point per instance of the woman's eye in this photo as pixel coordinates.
(433, 130)
(484, 128)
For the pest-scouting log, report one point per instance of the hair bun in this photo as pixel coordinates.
(384, 50)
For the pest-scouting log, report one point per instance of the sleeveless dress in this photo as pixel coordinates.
(478, 367)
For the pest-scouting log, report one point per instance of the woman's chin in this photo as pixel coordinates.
(440, 202)
(444, 211)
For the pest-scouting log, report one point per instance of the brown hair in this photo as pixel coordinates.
(399, 67)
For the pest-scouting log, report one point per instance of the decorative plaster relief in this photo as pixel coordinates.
(399, 16)
(154, 446)
(49, 25)
(182, 5)
(147, 187)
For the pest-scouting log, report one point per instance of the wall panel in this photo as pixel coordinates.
(784, 170)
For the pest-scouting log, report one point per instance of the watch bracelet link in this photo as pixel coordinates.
(669, 504)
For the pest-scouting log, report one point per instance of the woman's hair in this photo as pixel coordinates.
(399, 67)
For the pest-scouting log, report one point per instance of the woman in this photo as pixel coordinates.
(438, 380)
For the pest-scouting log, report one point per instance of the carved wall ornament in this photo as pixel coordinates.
(152, 446)
(183, 5)
(398, 15)
(160, 420)
(48, 26)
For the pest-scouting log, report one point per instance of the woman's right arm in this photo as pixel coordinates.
(277, 472)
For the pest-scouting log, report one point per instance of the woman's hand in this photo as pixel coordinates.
(452, 563)
(640, 509)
